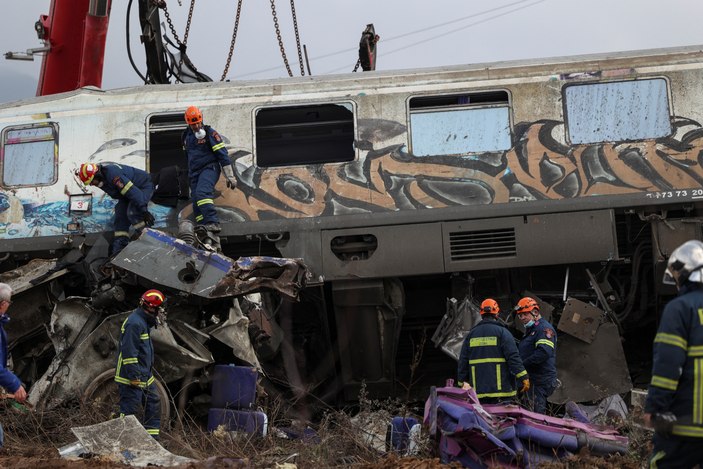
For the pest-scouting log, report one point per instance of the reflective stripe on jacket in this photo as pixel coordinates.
(127, 183)
(204, 151)
(538, 352)
(677, 369)
(136, 357)
(490, 361)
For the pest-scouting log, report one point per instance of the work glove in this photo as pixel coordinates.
(525, 385)
(663, 422)
(135, 382)
(148, 219)
(229, 175)
(465, 386)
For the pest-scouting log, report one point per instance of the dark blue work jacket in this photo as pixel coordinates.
(538, 352)
(127, 183)
(205, 151)
(136, 357)
(490, 361)
(8, 380)
(677, 369)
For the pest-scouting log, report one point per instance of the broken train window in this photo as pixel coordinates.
(460, 123)
(308, 134)
(30, 155)
(617, 111)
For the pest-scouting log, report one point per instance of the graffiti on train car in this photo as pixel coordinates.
(538, 167)
(388, 178)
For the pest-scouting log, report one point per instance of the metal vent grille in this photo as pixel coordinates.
(485, 244)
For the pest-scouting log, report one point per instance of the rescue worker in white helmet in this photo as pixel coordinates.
(674, 404)
(206, 154)
(489, 359)
(131, 187)
(134, 375)
(538, 352)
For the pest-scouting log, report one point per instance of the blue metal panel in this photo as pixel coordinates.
(611, 112)
(460, 131)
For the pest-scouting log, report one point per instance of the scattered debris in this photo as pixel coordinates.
(123, 440)
(477, 435)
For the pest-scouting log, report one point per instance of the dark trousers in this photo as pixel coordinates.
(202, 190)
(133, 399)
(538, 394)
(674, 452)
(127, 214)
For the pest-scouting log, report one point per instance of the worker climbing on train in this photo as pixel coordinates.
(206, 153)
(674, 404)
(131, 187)
(134, 373)
(538, 353)
(489, 359)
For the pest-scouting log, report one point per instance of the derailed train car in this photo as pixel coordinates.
(570, 178)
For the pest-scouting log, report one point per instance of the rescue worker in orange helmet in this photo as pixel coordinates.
(131, 187)
(206, 154)
(674, 404)
(538, 352)
(489, 359)
(134, 375)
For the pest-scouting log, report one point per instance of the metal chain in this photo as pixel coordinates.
(234, 38)
(190, 18)
(280, 40)
(297, 38)
(356, 67)
(162, 4)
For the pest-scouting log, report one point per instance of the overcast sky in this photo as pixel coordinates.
(414, 33)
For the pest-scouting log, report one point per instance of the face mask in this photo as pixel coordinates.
(200, 134)
(100, 184)
(531, 323)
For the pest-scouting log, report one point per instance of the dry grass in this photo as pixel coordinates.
(340, 440)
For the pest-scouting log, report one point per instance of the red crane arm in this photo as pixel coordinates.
(75, 31)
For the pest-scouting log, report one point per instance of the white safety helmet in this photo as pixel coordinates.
(685, 264)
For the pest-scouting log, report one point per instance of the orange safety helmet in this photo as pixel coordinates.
(87, 172)
(153, 299)
(489, 306)
(526, 305)
(193, 115)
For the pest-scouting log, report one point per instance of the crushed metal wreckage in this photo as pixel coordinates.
(507, 435)
(64, 344)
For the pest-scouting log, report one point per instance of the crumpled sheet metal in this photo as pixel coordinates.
(456, 323)
(173, 263)
(125, 440)
(286, 276)
(507, 435)
(31, 274)
(234, 332)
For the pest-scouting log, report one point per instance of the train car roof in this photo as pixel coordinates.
(194, 92)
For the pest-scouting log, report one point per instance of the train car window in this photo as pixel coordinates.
(617, 111)
(30, 155)
(299, 135)
(460, 124)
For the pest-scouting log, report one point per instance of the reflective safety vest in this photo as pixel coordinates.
(677, 369)
(490, 361)
(136, 357)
